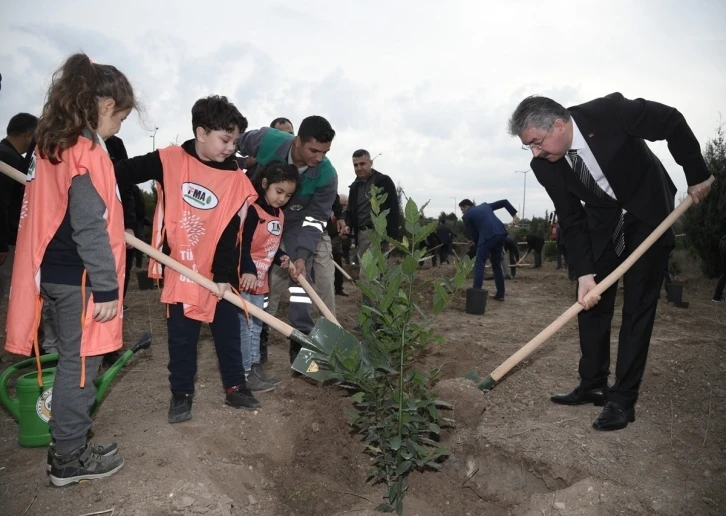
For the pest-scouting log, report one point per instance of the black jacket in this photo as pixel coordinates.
(393, 218)
(616, 129)
(11, 196)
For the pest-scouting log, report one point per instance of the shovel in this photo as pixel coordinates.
(316, 347)
(344, 272)
(490, 381)
(310, 291)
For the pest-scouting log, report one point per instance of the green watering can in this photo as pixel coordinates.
(31, 406)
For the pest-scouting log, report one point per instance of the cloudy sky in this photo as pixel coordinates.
(428, 84)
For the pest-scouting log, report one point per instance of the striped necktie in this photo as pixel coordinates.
(584, 175)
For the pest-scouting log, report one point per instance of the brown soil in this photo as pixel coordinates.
(513, 452)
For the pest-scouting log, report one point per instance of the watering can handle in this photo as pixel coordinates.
(12, 404)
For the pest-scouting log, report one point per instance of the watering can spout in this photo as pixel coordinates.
(104, 381)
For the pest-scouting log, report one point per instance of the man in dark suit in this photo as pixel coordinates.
(610, 192)
(488, 234)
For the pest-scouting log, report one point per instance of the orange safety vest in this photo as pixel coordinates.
(44, 206)
(196, 207)
(265, 243)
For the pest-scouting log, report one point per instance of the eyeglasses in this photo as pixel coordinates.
(538, 145)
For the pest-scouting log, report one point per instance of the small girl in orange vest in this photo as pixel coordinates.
(261, 236)
(70, 252)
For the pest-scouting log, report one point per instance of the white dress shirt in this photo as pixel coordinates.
(583, 151)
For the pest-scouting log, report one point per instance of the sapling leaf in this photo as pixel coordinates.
(411, 212)
(409, 265)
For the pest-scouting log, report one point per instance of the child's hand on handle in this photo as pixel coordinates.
(222, 288)
(104, 312)
(248, 282)
(285, 262)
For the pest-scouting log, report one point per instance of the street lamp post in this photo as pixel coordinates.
(454, 205)
(153, 139)
(524, 192)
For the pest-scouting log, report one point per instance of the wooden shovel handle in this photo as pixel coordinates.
(523, 257)
(343, 272)
(12, 173)
(160, 257)
(233, 298)
(310, 291)
(601, 287)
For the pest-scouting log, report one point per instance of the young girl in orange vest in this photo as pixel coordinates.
(260, 249)
(203, 196)
(70, 252)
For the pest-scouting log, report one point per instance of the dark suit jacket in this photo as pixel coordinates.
(481, 224)
(615, 129)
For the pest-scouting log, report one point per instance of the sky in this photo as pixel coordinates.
(430, 85)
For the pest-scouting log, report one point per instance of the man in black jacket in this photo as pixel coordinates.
(596, 154)
(19, 141)
(358, 216)
(536, 243)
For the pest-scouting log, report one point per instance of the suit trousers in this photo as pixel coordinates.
(642, 285)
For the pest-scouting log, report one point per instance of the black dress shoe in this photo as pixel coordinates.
(579, 397)
(614, 417)
(342, 293)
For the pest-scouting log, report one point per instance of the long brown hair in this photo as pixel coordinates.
(71, 105)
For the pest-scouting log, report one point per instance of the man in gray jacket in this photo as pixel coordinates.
(307, 213)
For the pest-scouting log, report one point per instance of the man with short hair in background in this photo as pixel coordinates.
(19, 141)
(358, 216)
(307, 212)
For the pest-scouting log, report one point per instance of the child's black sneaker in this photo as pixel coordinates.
(240, 397)
(180, 407)
(82, 464)
(260, 373)
(104, 450)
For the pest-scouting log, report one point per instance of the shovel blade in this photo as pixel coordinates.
(312, 364)
(313, 359)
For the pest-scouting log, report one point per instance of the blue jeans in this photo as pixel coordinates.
(490, 249)
(249, 332)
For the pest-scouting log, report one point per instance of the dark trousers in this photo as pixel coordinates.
(183, 339)
(129, 265)
(444, 254)
(492, 248)
(642, 286)
(718, 294)
(513, 259)
(346, 250)
(537, 257)
(561, 255)
(338, 258)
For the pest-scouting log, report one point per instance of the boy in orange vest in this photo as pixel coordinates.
(70, 251)
(203, 197)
